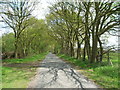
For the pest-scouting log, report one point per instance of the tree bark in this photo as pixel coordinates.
(79, 51)
(101, 49)
(16, 47)
(84, 52)
(71, 50)
(94, 50)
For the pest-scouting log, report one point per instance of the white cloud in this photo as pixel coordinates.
(112, 40)
(42, 9)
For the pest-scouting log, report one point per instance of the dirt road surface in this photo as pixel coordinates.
(55, 73)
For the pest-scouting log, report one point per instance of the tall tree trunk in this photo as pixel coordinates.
(67, 48)
(87, 32)
(101, 49)
(71, 50)
(94, 34)
(78, 51)
(16, 47)
(84, 52)
(94, 49)
(88, 49)
(78, 47)
(87, 45)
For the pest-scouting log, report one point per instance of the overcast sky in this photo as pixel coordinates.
(41, 11)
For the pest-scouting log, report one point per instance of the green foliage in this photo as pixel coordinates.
(8, 42)
(78, 25)
(33, 40)
(69, 27)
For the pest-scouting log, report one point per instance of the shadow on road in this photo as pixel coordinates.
(55, 73)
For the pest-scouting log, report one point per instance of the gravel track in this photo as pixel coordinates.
(55, 73)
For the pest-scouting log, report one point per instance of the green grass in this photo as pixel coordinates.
(26, 59)
(16, 77)
(102, 73)
(106, 76)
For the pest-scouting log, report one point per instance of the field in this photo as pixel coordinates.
(16, 73)
(103, 74)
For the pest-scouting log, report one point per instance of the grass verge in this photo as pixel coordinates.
(16, 73)
(101, 73)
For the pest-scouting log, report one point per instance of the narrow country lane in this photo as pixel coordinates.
(55, 73)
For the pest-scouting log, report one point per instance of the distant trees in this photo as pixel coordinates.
(15, 13)
(76, 24)
(63, 25)
(8, 42)
(33, 40)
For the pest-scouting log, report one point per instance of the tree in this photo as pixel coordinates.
(34, 39)
(66, 26)
(8, 42)
(83, 23)
(15, 13)
(102, 23)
